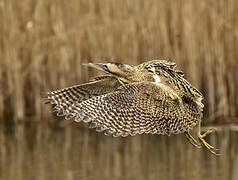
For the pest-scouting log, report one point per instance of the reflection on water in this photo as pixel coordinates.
(36, 151)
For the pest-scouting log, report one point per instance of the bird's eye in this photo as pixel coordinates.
(105, 68)
(151, 69)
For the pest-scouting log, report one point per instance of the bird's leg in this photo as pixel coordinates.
(201, 137)
(192, 140)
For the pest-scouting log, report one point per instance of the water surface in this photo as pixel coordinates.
(47, 151)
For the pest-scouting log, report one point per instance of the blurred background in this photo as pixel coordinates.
(42, 46)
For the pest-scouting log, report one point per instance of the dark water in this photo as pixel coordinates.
(46, 152)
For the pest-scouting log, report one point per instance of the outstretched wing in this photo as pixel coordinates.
(63, 100)
(138, 108)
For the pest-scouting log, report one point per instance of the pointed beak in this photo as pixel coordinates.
(99, 66)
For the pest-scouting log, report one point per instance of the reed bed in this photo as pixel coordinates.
(43, 43)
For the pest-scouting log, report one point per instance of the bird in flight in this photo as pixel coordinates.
(151, 98)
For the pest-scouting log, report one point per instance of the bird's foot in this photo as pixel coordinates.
(209, 147)
(193, 141)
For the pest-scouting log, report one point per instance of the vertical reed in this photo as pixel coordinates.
(42, 46)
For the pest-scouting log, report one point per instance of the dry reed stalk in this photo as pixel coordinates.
(43, 43)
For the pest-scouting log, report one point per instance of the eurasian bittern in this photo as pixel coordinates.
(152, 97)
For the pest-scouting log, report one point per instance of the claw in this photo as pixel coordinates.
(201, 137)
(209, 147)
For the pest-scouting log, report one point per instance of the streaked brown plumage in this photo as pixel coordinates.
(152, 97)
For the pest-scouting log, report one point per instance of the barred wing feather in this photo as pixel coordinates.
(137, 108)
